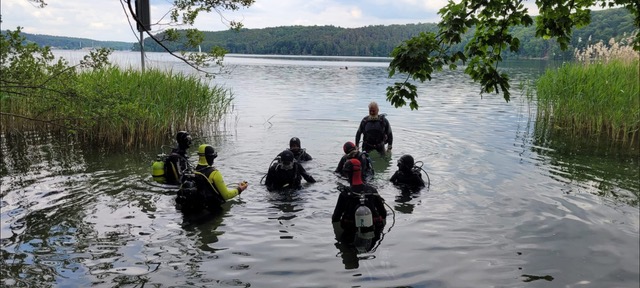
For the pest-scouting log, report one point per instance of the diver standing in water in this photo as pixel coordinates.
(351, 152)
(286, 173)
(408, 175)
(205, 188)
(177, 161)
(376, 131)
(299, 153)
(359, 212)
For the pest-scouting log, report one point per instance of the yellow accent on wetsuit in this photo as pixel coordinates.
(218, 182)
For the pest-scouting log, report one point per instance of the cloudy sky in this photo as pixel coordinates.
(106, 19)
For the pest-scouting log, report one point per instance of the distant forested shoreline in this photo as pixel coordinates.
(377, 40)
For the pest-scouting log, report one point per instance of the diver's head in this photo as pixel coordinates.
(184, 140)
(286, 160)
(373, 109)
(406, 163)
(206, 154)
(348, 147)
(294, 144)
(353, 169)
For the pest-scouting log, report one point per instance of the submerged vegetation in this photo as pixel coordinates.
(596, 98)
(99, 102)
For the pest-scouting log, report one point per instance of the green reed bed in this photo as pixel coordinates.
(592, 100)
(132, 107)
(116, 106)
(36, 103)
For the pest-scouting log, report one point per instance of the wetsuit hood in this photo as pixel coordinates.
(353, 170)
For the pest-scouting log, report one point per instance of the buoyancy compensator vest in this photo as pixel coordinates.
(375, 130)
(197, 193)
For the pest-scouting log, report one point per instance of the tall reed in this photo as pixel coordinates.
(123, 107)
(597, 96)
(135, 106)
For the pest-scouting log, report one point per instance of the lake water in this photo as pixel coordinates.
(502, 210)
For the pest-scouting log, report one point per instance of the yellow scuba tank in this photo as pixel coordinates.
(157, 168)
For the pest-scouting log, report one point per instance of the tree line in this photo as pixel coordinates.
(375, 40)
(379, 40)
(72, 43)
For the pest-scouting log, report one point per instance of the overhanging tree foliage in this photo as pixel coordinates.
(427, 53)
(32, 77)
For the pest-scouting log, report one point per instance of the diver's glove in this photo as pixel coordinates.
(242, 186)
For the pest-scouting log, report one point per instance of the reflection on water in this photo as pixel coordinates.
(506, 206)
(595, 167)
(355, 246)
(379, 162)
(406, 199)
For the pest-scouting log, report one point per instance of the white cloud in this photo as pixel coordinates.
(106, 20)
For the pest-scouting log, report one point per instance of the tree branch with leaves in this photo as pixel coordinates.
(427, 53)
(185, 12)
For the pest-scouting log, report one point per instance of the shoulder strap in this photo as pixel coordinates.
(205, 173)
(204, 179)
(206, 170)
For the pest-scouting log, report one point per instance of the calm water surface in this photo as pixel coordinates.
(502, 209)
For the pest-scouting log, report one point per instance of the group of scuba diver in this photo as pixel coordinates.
(359, 214)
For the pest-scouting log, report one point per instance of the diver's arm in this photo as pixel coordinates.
(394, 178)
(270, 177)
(341, 165)
(389, 132)
(339, 210)
(305, 175)
(359, 132)
(219, 184)
(378, 202)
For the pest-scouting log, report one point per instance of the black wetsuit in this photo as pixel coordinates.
(367, 172)
(376, 132)
(278, 177)
(300, 155)
(349, 201)
(410, 179)
(174, 166)
(198, 192)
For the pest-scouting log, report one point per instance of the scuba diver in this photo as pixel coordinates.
(408, 174)
(299, 153)
(376, 131)
(360, 211)
(176, 163)
(204, 188)
(351, 152)
(286, 173)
